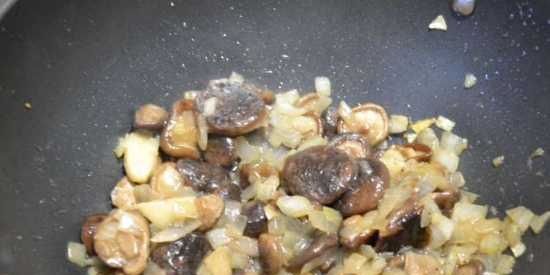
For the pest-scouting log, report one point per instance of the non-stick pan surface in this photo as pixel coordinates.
(85, 65)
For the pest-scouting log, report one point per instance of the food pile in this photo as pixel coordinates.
(238, 180)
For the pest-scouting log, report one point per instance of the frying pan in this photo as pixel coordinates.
(85, 65)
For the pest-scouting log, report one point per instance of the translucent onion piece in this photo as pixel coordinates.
(398, 124)
(438, 24)
(521, 216)
(173, 233)
(322, 85)
(294, 206)
(444, 123)
(76, 254)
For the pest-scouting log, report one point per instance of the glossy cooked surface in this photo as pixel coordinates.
(85, 66)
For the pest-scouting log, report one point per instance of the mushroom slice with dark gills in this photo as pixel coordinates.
(403, 229)
(208, 178)
(231, 108)
(321, 244)
(150, 117)
(366, 190)
(320, 173)
(183, 256)
(353, 144)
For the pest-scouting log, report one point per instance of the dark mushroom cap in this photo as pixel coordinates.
(256, 219)
(220, 151)
(208, 178)
(183, 256)
(239, 109)
(88, 231)
(320, 173)
(366, 190)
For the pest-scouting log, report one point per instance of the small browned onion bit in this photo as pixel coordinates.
(320, 173)
(355, 145)
(231, 109)
(220, 151)
(253, 172)
(208, 178)
(256, 222)
(318, 247)
(180, 136)
(370, 120)
(271, 253)
(354, 240)
(367, 190)
(210, 208)
(166, 181)
(88, 231)
(150, 117)
(122, 241)
(446, 201)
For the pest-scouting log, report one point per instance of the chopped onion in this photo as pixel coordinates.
(245, 151)
(539, 152)
(398, 124)
(238, 260)
(538, 222)
(190, 95)
(267, 189)
(294, 206)
(492, 243)
(521, 216)
(410, 137)
(518, 249)
(498, 161)
(428, 138)
(422, 125)
(76, 254)
(438, 24)
(210, 106)
(447, 159)
(246, 245)
(173, 233)
(469, 212)
(322, 85)
(453, 143)
(314, 141)
(505, 264)
(456, 179)
(218, 237)
(219, 261)
(470, 80)
(444, 123)
(235, 78)
(140, 155)
(163, 213)
(327, 220)
(202, 127)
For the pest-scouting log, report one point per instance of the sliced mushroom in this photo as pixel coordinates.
(416, 151)
(122, 241)
(366, 190)
(231, 109)
(355, 145)
(208, 178)
(403, 229)
(309, 125)
(88, 231)
(370, 120)
(256, 222)
(220, 151)
(166, 182)
(150, 117)
(122, 195)
(320, 173)
(446, 200)
(210, 208)
(318, 247)
(180, 136)
(474, 267)
(271, 254)
(351, 236)
(330, 121)
(182, 257)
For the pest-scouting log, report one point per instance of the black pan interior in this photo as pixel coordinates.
(85, 65)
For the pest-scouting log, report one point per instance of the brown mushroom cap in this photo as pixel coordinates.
(122, 241)
(367, 190)
(210, 208)
(256, 219)
(320, 245)
(220, 151)
(183, 256)
(231, 109)
(89, 228)
(271, 254)
(208, 178)
(320, 173)
(180, 136)
(330, 121)
(150, 117)
(370, 120)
